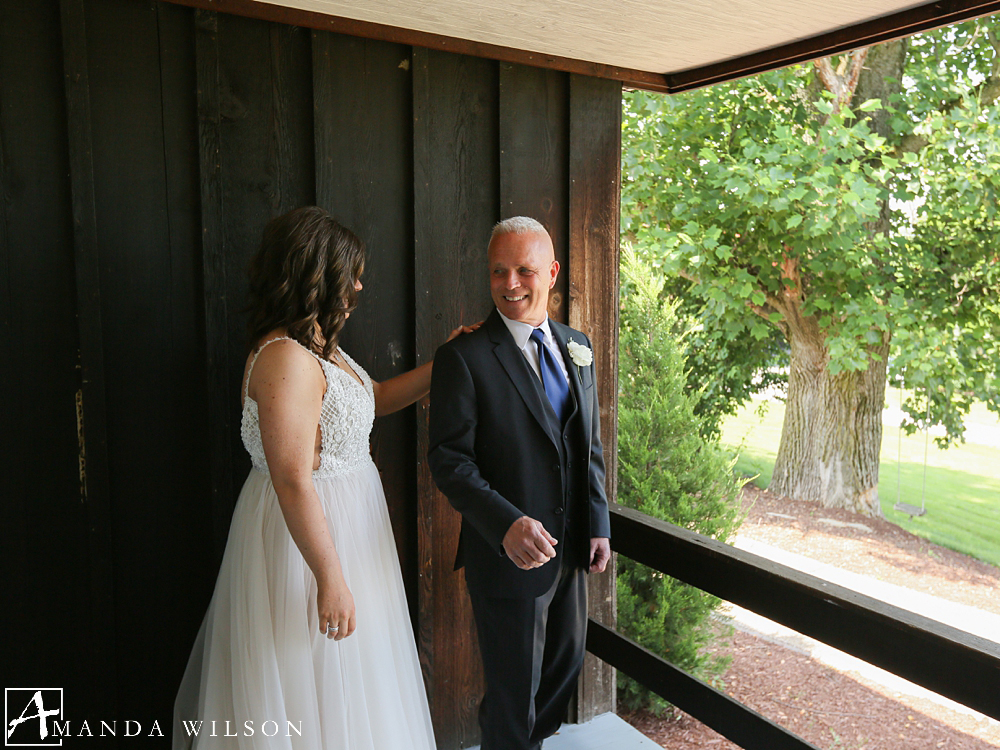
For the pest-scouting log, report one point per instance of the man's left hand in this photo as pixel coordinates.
(600, 553)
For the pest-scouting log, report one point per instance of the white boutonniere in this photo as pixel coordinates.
(581, 355)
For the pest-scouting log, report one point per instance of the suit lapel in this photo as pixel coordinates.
(520, 373)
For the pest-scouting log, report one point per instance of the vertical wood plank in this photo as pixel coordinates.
(594, 199)
(267, 166)
(91, 399)
(363, 93)
(185, 520)
(214, 251)
(142, 95)
(45, 533)
(291, 119)
(13, 516)
(534, 170)
(456, 202)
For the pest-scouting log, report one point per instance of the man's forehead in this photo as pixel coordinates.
(528, 261)
(521, 249)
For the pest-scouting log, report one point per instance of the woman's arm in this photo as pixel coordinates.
(401, 391)
(288, 387)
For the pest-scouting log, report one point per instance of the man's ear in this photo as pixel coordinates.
(554, 270)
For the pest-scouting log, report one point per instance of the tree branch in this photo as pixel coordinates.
(857, 65)
(684, 274)
(844, 80)
(827, 74)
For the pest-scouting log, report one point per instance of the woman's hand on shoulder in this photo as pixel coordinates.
(462, 329)
(403, 390)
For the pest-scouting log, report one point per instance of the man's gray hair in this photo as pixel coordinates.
(517, 225)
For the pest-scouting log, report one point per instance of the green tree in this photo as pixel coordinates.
(848, 208)
(665, 469)
(721, 373)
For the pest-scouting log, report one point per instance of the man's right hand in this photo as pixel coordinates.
(528, 544)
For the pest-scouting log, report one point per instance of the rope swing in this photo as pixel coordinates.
(912, 510)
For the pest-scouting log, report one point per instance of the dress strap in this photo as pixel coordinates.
(246, 388)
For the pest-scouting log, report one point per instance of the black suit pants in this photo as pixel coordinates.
(532, 651)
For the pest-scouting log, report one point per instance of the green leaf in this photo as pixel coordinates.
(825, 107)
(797, 193)
(821, 303)
(793, 221)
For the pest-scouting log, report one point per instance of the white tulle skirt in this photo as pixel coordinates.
(261, 670)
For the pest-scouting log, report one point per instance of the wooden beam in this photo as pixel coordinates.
(912, 21)
(92, 416)
(730, 718)
(948, 661)
(595, 111)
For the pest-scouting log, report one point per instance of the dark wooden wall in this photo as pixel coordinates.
(143, 146)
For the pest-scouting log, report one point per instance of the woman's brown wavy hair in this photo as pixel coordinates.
(302, 274)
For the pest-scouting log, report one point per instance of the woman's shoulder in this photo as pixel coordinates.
(276, 358)
(277, 339)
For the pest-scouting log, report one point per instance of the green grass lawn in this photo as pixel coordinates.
(962, 483)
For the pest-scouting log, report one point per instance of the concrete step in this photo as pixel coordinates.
(604, 732)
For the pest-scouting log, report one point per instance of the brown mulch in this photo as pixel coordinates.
(888, 552)
(823, 706)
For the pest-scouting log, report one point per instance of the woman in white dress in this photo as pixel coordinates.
(307, 641)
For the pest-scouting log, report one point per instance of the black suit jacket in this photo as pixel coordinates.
(495, 454)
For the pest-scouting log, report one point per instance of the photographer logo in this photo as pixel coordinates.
(31, 716)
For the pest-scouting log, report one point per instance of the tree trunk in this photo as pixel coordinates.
(881, 79)
(832, 433)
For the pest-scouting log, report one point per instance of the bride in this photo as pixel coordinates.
(307, 642)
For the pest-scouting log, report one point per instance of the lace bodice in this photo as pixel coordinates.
(345, 421)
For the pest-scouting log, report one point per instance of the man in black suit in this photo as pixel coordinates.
(515, 446)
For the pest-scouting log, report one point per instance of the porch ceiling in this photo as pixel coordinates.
(661, 45)
(661, 36)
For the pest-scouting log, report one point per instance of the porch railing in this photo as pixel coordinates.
(943, 659)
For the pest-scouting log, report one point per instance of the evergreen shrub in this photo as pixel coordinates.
(668, 469)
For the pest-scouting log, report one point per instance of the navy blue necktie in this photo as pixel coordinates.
(553, 380)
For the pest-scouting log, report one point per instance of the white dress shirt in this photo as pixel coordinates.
(522, 337)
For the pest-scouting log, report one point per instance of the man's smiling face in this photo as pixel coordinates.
(523, 269)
